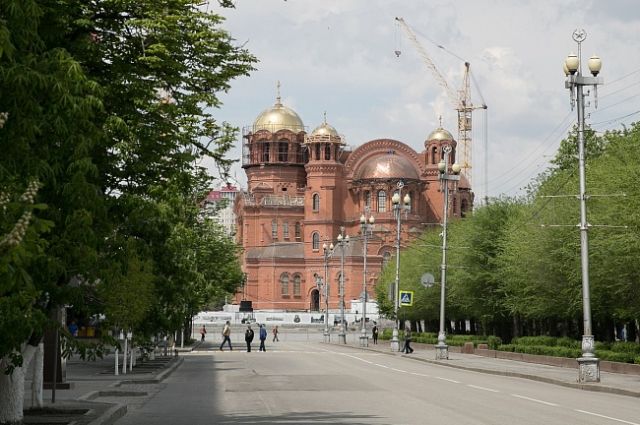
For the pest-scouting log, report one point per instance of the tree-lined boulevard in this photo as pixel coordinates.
(310, 382)
(107, 116)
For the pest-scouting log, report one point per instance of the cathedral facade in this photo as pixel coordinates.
(305, 189)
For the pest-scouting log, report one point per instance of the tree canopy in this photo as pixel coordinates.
(514, 265)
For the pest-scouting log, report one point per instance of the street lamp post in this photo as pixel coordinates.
(589, 367)
(397, 210)
(442, 350)
(342, 242)
(366, 225)
(327, 253)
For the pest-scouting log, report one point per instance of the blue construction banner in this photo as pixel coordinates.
(406, 298)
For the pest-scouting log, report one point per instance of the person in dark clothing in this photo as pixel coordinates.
(374, 334)
(263, 336)
(248, 338)
(407, 342)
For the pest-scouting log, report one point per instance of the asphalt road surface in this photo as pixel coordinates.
(307, 382)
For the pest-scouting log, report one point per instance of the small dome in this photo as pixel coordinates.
(278, 117)
(387, 166)
(325, 129)
(439, 134)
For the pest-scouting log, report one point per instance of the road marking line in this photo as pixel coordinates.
(606, 417)
(483, 388)
(381, 365)
(448, 380)
(534, 400)
(398, 370)
(420, 374)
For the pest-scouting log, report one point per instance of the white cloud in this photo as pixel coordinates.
(338, 56)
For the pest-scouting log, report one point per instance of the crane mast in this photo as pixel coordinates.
(461, 100)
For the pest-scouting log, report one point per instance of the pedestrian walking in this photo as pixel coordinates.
(407, 342)
(203, 332)
(248, 337)
(275, 334)
(374, 334)
(226, 333)
(263, 336)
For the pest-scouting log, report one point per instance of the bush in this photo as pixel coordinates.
(548, 341)
(494, 342)
(637, 360)
(386, 333)
(626, 347)
(613, 356)
(568, 342)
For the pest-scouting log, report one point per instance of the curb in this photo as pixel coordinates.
(118, 410)
(576, 385)
(111, 415)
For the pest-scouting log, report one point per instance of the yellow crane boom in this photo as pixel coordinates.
(461, 100)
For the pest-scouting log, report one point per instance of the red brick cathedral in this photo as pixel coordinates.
(303, 188)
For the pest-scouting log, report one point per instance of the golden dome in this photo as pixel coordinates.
(439, 134)
(387, 166)
(278, 117)
(325, 129)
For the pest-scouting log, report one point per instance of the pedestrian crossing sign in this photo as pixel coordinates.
(406, 298)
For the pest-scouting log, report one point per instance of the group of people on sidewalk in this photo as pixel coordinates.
(248, 336)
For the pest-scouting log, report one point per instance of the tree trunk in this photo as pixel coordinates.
(12, 388)
(38, 376)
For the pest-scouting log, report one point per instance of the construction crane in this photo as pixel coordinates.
(461, 100)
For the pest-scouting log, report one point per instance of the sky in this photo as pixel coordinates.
(338, 57)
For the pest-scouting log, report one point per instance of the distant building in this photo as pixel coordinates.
(302, 188)
(218, 205)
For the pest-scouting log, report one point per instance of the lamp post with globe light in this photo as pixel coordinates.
(342, 242)
(588, 363)
(366, 225)
(327, 252)
(442, 350)
(397, 210)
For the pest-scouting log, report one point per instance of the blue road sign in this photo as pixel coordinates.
(406, 298)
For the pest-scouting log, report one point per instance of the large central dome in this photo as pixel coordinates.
(387, 166)
(278, 117)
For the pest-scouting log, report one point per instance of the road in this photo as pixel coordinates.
(312, 383)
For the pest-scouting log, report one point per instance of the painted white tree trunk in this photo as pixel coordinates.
(38, 376)
(12, 388)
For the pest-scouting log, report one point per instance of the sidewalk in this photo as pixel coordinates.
(615, 383)
(97, 396)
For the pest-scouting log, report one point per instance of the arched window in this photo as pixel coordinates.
(385, 258)
(463, 208)
(265, 152)
(327, 151)
(411, 202)
(316, 202)
(434, 154)
(274, 229)
(337, 284)
(367, 198)
(296, 285)
(382, 201)
(315, 238)
(285, 230)
(283, 151)
(284, 284)
(317, 155)
(298, 231)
